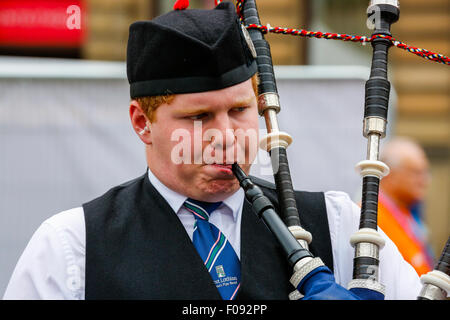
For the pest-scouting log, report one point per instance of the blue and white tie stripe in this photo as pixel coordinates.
(213, 247)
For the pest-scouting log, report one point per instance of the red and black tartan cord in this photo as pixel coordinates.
(424, 53)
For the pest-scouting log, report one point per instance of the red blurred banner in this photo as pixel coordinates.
(42, 23)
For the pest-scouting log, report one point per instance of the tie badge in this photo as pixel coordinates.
(220, 272)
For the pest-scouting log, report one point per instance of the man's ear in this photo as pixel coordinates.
(140, 122)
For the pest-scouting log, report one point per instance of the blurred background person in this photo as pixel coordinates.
(402, 193)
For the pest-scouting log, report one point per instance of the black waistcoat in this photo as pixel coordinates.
(137, 248)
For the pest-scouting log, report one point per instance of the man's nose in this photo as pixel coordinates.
(223, 127)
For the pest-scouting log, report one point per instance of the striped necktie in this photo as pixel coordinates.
(213, 247)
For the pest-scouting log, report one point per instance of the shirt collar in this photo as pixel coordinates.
(176, 200)
(234, 202)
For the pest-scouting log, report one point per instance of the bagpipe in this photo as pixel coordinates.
(311, 279)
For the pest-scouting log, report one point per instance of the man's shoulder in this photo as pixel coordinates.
(72, 218)
(72, 222)
(66, 228)
(340, 201)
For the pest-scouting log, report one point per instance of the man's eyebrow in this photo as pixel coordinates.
(202, 109)
(193, 111)
(242, 102)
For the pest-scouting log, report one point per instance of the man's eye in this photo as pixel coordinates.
(239, 109)
(198, 116)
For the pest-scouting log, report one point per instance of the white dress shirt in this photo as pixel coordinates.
(52, 265)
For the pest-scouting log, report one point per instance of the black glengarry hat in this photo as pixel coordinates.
(186, 51)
